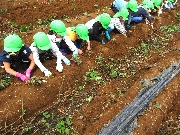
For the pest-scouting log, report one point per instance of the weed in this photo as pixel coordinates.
(3, 11)
(178, 16)
(89, 99)
(13, 24)
(86, 14)
(63, 125)
(77, 59)
(24, 28)
(36, 80)
(73, 6)
(39, 22)
(96, 5)
(67, 19)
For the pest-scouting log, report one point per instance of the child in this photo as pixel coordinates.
(14, 51)
(58, 35)
(77, 34)
(137, 13)
(117, 5)
(118, 21)
(41, 45)
(158, 4)
(97, 26)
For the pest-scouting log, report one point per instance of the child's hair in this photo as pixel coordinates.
(51, 32)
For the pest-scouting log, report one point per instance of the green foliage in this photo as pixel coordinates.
(24, 28)
(86, 14)
(13, 24)
(5, 82)
(178, 16)
(73, 6)
(63, 126)
(36, 80)
(3, 11)
(77, 59)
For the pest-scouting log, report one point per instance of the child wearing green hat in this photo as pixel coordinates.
(78, 34)
(15, 51)
(58, 35)
(117, 22)
(40, 46)
(97, 26)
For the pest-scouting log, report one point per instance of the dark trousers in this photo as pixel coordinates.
(113, 8)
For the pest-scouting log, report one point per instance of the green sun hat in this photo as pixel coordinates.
(170, 0)
(82, 31)
(146, 1)
(59, 27)
(133, 5)
(123, 12)
(104, 19)
(42, 41)
(149, 5)
(12, 43)
(157, 3)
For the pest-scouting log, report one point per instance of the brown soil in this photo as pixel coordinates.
(60, 94)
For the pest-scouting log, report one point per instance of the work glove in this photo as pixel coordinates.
(128, 26)
(47, 73)
(24, 78)
(102, 42)
(75, 53)
(107, 35)
(66, 61)
(28, 72)
(59, 68)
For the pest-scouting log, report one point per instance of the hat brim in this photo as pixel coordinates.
(84, 37)
(47, 47)
(105, 26)
(62, 33)
(134, 10)
(117, 15)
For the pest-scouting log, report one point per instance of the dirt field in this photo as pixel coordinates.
(30, 109)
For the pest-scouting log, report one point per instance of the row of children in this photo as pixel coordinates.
(61, 40)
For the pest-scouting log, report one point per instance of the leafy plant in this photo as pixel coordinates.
(6, 80)
(39, 22)
(178, 16)
(24, 28)
(86, 14)
(13, 24)
(67, 19)
(73, 6)
(63, 126)
(3, 11)
(77, 59)
(36, 80)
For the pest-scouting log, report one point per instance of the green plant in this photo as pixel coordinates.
(36, 80)
(5, 82)
(120, 93)
(3, 11)
(133, 72)
(77, 59)
(22, 106)
(24, 28)
(73, 6)
(39, 22)
(89, 99)
(86, 14)
(13, 24)
(67, 19)
(178, 16)
(96, 5)
(30, 27)
(63, 125)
